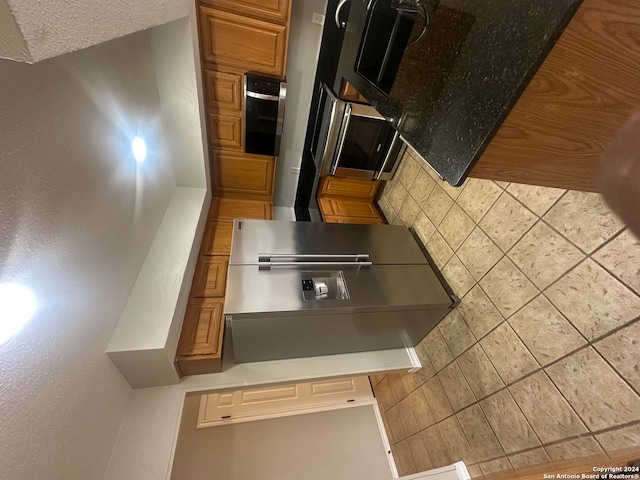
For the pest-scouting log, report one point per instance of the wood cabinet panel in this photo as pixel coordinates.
(223, 90)
(348, 187)
(210, 277)
(272, 10)
(246, 43)
(225, 130)
(242, 174)
(582, 93)
(217, 238)
(229, 209)
(345, 219)
(200, 345)
(347, 208)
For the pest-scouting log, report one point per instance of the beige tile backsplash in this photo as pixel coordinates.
(541, 360)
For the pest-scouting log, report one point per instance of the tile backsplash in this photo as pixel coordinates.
(540, 361)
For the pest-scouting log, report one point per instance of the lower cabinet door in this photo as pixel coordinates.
(200, 345)
(243, 175)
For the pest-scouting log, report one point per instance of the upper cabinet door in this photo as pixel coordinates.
(272, 10)
(241, 42)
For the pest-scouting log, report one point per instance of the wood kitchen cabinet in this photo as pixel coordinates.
(225, 130)
(223, 91)
(584, 90)
(217, 238)
(200, 345)
(276, 11)
(228, 39)
(228, 209)
(210, 277)
(242, 175)
(348, 187)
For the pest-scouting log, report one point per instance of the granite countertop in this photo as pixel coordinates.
(455, 85)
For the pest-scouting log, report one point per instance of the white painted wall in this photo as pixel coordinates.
(339, 444)
(302, 57)
(77, 217)
(48, 28)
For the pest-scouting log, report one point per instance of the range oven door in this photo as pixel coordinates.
(353, 140)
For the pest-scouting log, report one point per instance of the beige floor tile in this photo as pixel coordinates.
(455, 441)
(427, 370)
(544, 255)
(383, 394)
(438, 453)
(577, 448)
(584, 218)
(392, 218)
(387, 428)
(395, 424)
(396, 386)
(456, 226)
(622, 351)
(458, 277)
(411, 381)
(479, 312)
(535, 198)
(437, 399)
(422, 187)
(507, 287)
(376, 379)
(545, 332)
(594, 390)
(546, 409)
(508, 354)
(385, 206)
(419, 453)
(477, 197)
(397, 195)
(456, 387)
(423, 227)
(483, 441)
(508, 422)
(437, 205)
(495, 466)
(621, 438)
(475, 471)
(437, 349)
(409, 211)
(537, 456)
(479, 372)
(403, 458)
(502, 184)
(454, 192)
(456, 333)
(478, 253)
(407, 171)
(621, 256)
(396, 220)
(408, 419)
(439, 250)
(593, 300)
(421, 410)
(507, 221)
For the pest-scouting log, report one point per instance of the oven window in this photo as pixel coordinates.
(365, 143)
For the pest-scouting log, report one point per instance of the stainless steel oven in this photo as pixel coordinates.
(352, 139)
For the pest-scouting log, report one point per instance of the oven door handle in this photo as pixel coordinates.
(341, 139)
(387, 157)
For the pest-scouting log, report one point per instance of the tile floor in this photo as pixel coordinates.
(541, 360)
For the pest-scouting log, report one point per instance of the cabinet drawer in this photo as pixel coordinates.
(348, 187)
(225, 130)
(245, 43)
(343, 219)
(228, 209)
(239, 173)
(210, 277)
(224, 90)
(271, 10)
(217, 238)
(347, 208)
(200, 345)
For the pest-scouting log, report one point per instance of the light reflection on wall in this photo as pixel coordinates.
(17, 306)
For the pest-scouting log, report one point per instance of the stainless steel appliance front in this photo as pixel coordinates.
(390, 296)
(353, 140)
